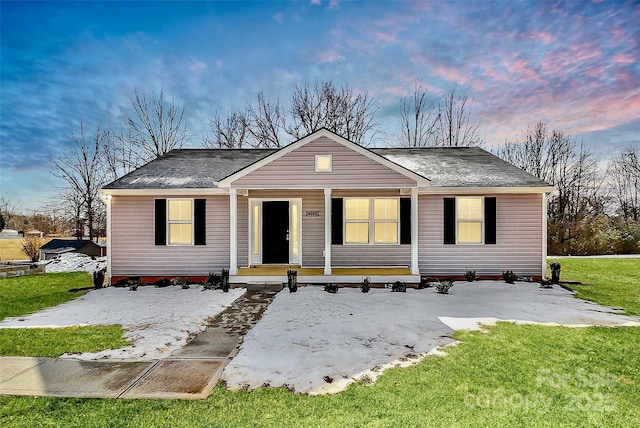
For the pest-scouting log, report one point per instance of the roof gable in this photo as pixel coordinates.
(320, 137)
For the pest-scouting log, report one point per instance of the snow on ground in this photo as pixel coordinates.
(72, 262)
(316, 342)
(157, 320)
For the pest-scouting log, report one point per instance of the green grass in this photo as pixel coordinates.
(516, 376)
(53, 342)
(615, 282)
(529, 376)
(28, 294)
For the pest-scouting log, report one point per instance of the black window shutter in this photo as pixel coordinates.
(336, 221)
(489, 220)
(161, 222)
(405, 221)
(449, 220)
(199, 221)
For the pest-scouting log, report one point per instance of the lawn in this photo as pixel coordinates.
(528, 376)
(28, 294)
(11, 249)
(613, 282)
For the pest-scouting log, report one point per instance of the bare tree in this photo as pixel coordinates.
(230, 132)
(267, 122)
(624, 176)
(418, 118)
(342, 110)
(573, 170)
(455, 124)
(9, 210)
(156, 126)
(80, 166)
(119, 154)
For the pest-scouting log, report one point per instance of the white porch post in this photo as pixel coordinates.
(107, 201)
(415, 269)
(233, 232)
(327, 231)
(544, 235)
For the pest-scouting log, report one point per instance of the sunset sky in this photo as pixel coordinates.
(573, 64)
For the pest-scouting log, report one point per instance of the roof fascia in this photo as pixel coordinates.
(434, 190)
(163, 192)
(420, 180)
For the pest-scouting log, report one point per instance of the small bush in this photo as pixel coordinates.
(164, 282)
(366, 285)
(425, 282)
(225, 280)
(133, 285)
(470, 275)
(399, 287)
(179, 281)
(292, 280)
(331, 288)
(31, 247)
(443, 287)
(98, 278)
(509, 277)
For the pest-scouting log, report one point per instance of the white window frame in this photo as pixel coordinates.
(318, 169)
(191, 222)
(481, 221)
(371, 221)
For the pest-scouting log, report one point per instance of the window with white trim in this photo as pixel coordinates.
(469, 220)
(324, 163)
(371, 220)
(180, 221)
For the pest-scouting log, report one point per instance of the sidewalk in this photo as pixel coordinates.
(188, 373)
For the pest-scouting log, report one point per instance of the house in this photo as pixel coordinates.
(55, 247)
(336, 211)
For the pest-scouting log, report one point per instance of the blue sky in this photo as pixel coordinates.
(573, 64)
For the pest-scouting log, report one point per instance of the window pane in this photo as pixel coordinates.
(386, 233)
(180, 233)
(294, 230)
(356, 209)
(323, 163)
(385, 209)
(357, 233)
(256, 229)
(469, 208)
(470, 232)
(180, 210)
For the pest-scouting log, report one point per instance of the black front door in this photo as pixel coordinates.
(275, 232)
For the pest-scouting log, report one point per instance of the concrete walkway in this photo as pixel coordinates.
(188, 373)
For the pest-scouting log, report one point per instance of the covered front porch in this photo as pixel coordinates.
(316, 275)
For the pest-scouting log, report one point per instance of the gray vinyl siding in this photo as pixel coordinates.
(133, 249)
(297, 169)
(518, 236)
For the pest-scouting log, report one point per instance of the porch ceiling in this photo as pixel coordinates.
(279, 270)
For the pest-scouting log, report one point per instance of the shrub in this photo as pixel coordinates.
(443, 287)
(509, 277)
(292, 280)
(399, 287)
(31, 247)
(425, 282)
(366, 285)
(470, 275)
(225, 280)
(133, 285)
(164, 282)
(98, 278)
(331, 288)
(180, 281)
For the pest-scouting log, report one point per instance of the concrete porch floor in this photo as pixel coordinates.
(315, 275)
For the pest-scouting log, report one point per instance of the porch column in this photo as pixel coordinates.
(544, 234)
(415, 269)
(107, 201)
(327, 231)
(233, 232)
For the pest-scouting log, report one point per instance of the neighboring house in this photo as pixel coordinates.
(55, 247)
(337, 211)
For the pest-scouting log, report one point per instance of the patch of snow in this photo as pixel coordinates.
(74, 262)
(315, 342)
(157, 320)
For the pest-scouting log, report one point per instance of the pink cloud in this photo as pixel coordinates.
(386, 37)
(316, 2)
(197, 65)
(329, 56)
(542, 36)
(621, 58)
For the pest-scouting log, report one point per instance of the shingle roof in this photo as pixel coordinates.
(444, 166)
(189, 169)
(55, 244)
(460, 167)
